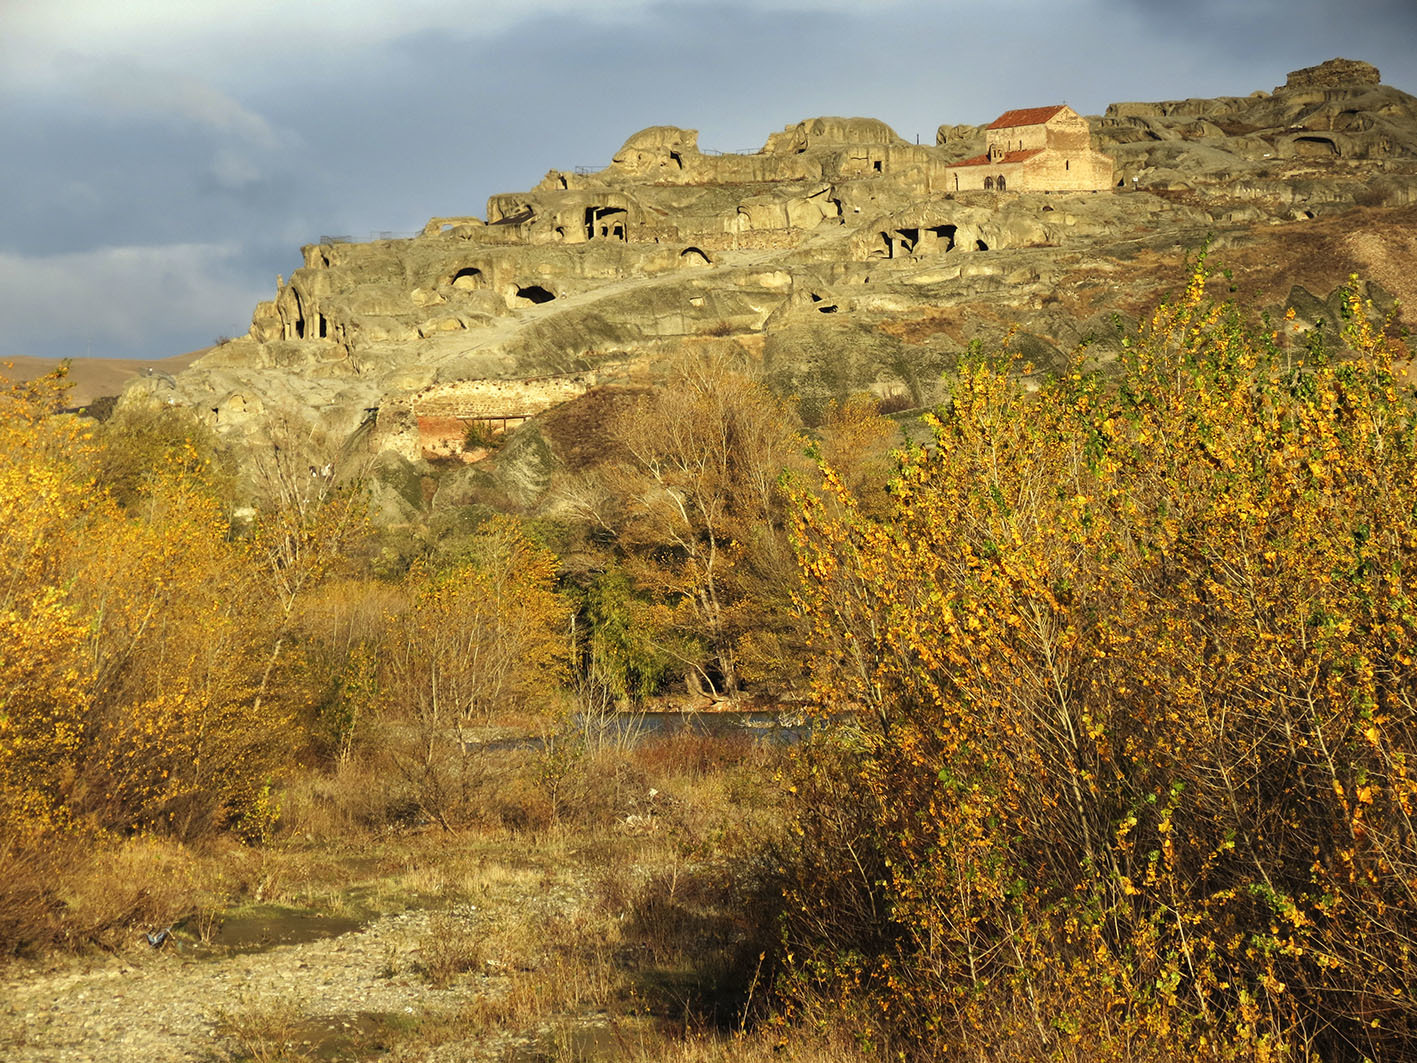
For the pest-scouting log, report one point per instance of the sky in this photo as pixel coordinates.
(161, 161)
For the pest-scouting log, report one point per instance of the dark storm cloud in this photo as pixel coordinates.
(1276, 36)
(166, 166)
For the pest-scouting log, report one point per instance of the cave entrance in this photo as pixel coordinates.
(467, 279)
(943, 236)
(693, 256)
(605, 222)
(297, 327)
(535, 293)
(1315, 147)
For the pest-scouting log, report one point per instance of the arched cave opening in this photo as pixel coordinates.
(944, 235)
(980, 245)
(535, 293)
(693, 256)
(605, 221)
(297, 326)
(1315, 146)
(467, 278)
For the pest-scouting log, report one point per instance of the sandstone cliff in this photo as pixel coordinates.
(836, 254)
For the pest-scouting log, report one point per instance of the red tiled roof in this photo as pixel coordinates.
(1024, 116)
(1009, 156)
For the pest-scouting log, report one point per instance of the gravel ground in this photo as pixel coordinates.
(167, 1004)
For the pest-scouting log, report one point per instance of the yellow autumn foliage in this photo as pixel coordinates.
(1131, 661)
(129, 643)
(481, 638)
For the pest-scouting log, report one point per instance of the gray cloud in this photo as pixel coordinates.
(168, 159)
(148, 91)
(137, 301)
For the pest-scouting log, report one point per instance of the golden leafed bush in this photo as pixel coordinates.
(131, 642)
(482, 639)
(1132, 664)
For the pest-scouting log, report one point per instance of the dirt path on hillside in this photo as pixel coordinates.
(501, 332)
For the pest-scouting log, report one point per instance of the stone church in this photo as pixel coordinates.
(1035, 149)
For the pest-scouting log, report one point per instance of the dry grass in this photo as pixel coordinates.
(451, 947)
(76, 893)
(613, 908)
(263, 1030)
(829, 1046)
(606, 901)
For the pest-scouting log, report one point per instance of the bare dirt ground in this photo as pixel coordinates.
(470, 973)
(174, 1003)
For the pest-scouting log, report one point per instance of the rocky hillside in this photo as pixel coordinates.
(837, 256)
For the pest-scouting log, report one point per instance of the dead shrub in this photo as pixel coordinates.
(263, 1030)
(450, 947)
(675, 913)
(355, 797)
(31, 913)
(76, 893)
(693, 753)
(520, 803)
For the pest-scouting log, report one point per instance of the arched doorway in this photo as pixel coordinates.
(467, 278)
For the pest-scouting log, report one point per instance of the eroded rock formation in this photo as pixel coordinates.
(842, 256)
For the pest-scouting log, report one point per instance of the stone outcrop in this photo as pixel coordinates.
(1244, 145)
(1332, 74)
(842, 255)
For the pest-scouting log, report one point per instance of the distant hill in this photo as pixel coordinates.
(93, 378)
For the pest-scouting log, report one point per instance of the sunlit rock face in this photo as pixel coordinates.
(839, 255)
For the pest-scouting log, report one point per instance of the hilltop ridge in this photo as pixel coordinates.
(840, 256)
